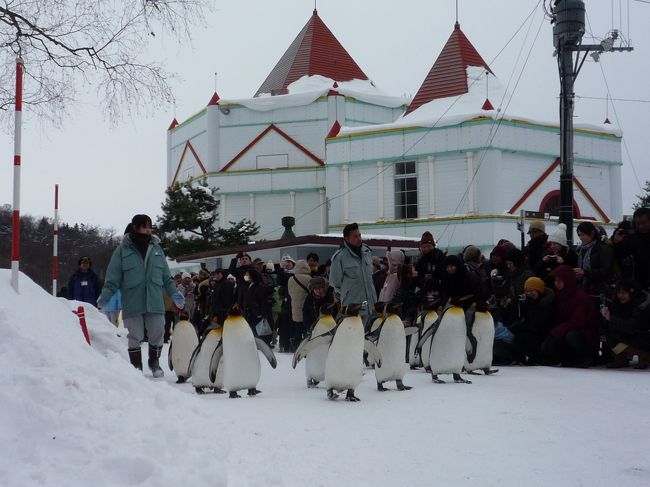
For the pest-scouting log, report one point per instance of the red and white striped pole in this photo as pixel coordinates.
(15, 221)
(55, 245)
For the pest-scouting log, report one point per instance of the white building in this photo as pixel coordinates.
(319, 142)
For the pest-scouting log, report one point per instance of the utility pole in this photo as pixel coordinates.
(568, 17)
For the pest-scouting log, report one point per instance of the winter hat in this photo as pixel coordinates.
(427, 239)
(258, 261)
(85, 260)
(630, 286)
(318, 282)
(471, 254)
(186, 275)
(535, 283)
(270, 267)
(537, 225)
(287, 258)
(559, 236)
(230, 277)
(204, 274)
(516, 256)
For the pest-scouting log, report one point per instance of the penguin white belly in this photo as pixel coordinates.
(201, 365)
(344, 364)
(448, 344)
(241, 362)
(315, 361)
(430, 318)
(483, 331)
(413, 356)
(184, 342)
(391, 345)
(373, 327)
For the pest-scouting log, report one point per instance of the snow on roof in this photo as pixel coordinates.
(308, 89)
(453, 110)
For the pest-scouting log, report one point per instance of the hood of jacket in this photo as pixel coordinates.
(302, 267)
(126, 240)
(567, 275)
(395, 259)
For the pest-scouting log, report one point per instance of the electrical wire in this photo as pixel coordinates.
(389, 165)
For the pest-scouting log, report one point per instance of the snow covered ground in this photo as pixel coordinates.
(73, 415)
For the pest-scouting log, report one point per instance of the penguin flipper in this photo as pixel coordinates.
(425, 336)
(308, 345)
(266, 350)
(373, 352)
(214, 362)
(411, 330)
(195, 354)
(169, 356)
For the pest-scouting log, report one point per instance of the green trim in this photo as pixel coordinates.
(364, 122)
(415, 156)
(191, 119)
(361, 102)
(270, 191)
(239, 105)
(265, 171)
(188, 140)
(266, 124)
(370, 134)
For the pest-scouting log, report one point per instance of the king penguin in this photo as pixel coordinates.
(391, 343)
(428, 319)
(183, 342)
(480, 342)
(315, 359)
(241, 363)
(200, 363)
(448, 339)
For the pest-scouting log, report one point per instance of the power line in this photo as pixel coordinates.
(633, 100)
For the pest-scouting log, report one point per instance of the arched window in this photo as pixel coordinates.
(551, 205)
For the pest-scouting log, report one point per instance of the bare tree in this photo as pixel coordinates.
(69, 45)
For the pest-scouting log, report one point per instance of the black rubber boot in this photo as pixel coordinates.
(135, 355)
(154, 366)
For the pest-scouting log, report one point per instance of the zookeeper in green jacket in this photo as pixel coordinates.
(138, 268)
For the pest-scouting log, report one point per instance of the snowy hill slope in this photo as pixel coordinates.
(73, 415)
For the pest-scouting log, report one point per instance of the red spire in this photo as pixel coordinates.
(487, 105)
(448, 76)
(173, 124)
(334, 131)
(315, 51)
(214, 100)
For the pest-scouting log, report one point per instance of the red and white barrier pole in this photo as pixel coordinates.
(55, 244)
(15, 221)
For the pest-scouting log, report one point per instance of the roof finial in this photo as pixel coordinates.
(456, 12)
(315, 9)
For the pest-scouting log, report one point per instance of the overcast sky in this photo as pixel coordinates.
(106, 174)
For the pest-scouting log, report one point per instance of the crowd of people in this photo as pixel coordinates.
(552, 303)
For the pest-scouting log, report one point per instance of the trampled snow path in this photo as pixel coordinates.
(73, 415)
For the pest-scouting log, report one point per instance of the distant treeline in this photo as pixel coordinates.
(36, 243)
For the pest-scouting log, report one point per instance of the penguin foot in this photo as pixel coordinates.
(331, 395)
(471, 372)
(181, 379)
(218, 390)
(459, 380)
(199, 390)
(350, 397)
(253, 392)
(312, 383)
(490, 371)
(427, 369)
(434, 378)
(380, 387)
(401, 386)
(233, 395)
(414, 367)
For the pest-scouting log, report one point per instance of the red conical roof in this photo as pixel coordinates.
(448, 76)
(315, 51)
(214, 100)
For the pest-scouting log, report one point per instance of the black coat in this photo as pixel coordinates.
(220, 299)
(255, 304)
(312, 307)
(430, 268)
(630, 323)
(636, 248)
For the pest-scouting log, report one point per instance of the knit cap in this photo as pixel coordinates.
(559, 236)
(537, 225)
(535, 283)
(471, 254)
(186, 275)
(427, 239)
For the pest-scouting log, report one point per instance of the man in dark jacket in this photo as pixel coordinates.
(636, 246)
(430, 266)
(321, 295)
(535, 322)
(220, 297)
(536, 246)
(84, 284)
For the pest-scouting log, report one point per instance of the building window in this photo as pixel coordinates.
(406, 190)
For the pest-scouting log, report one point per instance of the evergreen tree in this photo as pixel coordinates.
(644, 199)
(238, 234)
(189, 221)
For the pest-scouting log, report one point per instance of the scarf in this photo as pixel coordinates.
(584, 255)
(141, 242)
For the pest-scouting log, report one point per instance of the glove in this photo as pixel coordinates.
(178, 299)
(101, 303)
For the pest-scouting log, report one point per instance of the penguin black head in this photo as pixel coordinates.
(352, 309)
(379, 307)
(393, 308)
(235, 310)
(328, 308)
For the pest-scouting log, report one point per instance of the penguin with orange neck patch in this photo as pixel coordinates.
(241, 362)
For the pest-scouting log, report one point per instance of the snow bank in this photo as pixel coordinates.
(308, 89)
(457, 109)
(73, 414)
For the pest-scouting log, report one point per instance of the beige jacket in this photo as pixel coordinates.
(296, 291)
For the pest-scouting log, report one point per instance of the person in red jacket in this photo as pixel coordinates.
(573, 341)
